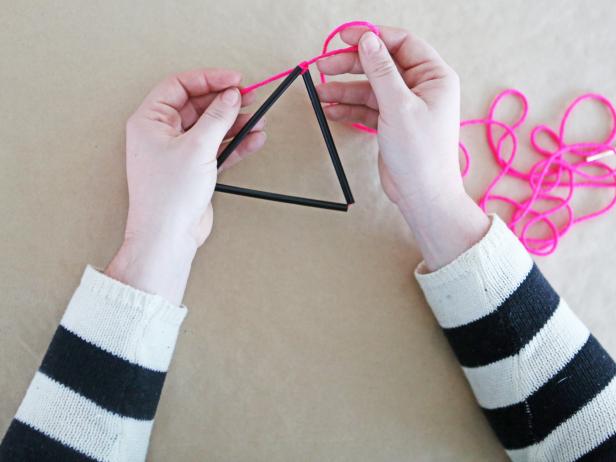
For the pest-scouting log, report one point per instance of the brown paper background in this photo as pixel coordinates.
(307, 337)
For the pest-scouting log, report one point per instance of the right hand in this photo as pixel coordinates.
(412, 97)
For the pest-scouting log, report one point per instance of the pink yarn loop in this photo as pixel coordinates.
(550, 183)
(552, 180)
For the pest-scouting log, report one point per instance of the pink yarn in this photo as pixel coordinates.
(550, 183)
(324, 54)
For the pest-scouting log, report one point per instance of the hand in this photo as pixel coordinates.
(412, 98)
(172, 142)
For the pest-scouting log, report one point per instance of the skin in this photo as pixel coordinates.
(413, 98)
(172, 142)
(410, 95)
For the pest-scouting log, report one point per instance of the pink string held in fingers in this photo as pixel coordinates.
(549, 186)
(324, 54)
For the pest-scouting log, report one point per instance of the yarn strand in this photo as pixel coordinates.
(324, 54)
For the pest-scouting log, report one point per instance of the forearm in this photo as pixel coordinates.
(97, 390)
(545, 384)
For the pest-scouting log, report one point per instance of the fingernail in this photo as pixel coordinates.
(369, 43)
(231, 96)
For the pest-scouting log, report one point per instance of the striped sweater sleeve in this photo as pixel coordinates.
(545, 384)
(95, 394)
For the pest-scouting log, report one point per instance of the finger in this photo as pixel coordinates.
(419, 62)
(249, 145)
(202, 102)
(189, 115)
(176, 90)
(241, 121)
(194, 107)
(215, 122)
(407, 49)
(388, 85)
(348, 92)
(353, 114)
(344, 63)
(248, 98)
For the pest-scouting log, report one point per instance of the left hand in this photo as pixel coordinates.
(172, 142)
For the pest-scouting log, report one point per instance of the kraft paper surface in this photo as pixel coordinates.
(307, 337)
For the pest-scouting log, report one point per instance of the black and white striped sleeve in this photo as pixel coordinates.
(545, 384)
(95, 395)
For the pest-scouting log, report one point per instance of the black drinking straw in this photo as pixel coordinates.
(329, 142)
(281, 198)
(327, 136)
(259, 113)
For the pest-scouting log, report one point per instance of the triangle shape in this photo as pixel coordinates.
(327, 137)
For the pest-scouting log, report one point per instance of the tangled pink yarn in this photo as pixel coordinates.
(552, 181)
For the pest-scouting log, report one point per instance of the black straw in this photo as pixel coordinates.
(258, 114)
(327, 136)
(281, 198)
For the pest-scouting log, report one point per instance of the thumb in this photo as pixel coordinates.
(216, 120)
(386, 82)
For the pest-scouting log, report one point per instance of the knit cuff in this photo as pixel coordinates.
(139, 327)
(479, 280)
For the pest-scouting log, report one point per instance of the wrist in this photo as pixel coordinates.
(419, 206)
(445, 226)
(157, 264)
